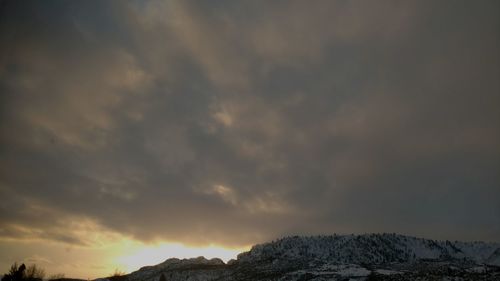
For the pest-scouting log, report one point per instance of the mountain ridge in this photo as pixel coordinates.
(406, 248)
(340, 257)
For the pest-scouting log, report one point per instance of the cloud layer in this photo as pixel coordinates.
(236, 122)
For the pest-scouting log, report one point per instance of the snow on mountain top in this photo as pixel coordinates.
(339, 257)
(372, 249)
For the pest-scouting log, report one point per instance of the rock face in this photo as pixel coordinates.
(186, 269)
(341, 257)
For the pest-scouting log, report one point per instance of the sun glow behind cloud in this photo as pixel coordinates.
(139, 254)
(104, 256)
(251, 120)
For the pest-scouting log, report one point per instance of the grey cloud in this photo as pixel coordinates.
(235, 123)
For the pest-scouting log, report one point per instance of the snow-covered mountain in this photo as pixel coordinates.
(340, 257)
(372, 249)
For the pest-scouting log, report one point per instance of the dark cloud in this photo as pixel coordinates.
(234, 123)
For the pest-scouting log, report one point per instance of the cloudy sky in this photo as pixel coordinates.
(128, 125)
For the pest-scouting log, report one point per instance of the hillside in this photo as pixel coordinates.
(340, 257)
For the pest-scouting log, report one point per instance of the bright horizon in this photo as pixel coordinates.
(122, 255)
(154, 254)
(135, 131)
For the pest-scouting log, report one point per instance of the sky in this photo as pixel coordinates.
(133, 131)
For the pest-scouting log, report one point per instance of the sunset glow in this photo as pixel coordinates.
(142, 255)
(132, 132)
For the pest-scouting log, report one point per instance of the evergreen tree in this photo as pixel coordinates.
(23, 273)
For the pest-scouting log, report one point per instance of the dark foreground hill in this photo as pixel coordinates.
(340, 257)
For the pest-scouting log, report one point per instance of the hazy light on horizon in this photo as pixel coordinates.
(127, 127)
(142, 255)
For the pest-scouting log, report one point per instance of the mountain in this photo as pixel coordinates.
(340, 257)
